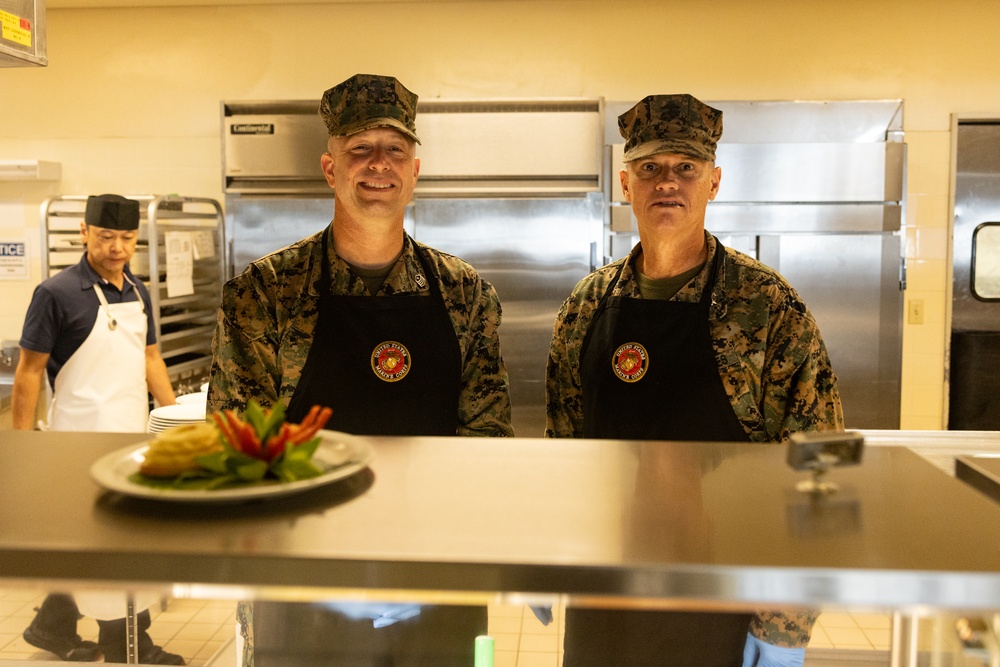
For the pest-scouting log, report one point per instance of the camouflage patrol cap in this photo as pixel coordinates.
(670, 124)
(369, 100)
(112, 212)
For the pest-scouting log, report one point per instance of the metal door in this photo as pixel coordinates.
(850, 282)
(974, 378)
(533, 251)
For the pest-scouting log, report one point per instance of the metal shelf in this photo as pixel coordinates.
(184, 323)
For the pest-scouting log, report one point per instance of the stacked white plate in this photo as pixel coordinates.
(168, 416)
(197, 397)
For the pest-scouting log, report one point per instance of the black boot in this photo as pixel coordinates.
(54, 630)
(113, 643)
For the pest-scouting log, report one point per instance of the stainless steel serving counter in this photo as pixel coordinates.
(650, 524)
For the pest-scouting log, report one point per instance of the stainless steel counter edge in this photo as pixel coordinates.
(619, 587)
(645, 524)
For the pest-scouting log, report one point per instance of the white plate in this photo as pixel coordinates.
(112, 471)
(180, 412)
(199, 397)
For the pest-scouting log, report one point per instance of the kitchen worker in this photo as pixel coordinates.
(396, 337)
(90, 329)
(684, 339)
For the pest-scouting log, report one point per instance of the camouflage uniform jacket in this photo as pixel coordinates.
(268, 314)
(772, 361)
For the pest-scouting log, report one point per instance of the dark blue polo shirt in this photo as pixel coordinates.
(64, 307)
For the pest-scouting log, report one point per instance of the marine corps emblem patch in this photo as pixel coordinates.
(390, 361)
(630, 362)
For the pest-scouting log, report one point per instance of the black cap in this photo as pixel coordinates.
(112, 212)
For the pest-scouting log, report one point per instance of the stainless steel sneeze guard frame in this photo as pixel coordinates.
(682, 525)
(982, 472)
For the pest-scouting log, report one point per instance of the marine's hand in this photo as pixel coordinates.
(760, 654)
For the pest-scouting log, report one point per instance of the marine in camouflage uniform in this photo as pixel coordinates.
(770, 356)
(268, 314)
(270, 311)
(772, 360)
(274, 312)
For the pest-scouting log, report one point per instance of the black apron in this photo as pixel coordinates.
(648, 372)
(387, 365)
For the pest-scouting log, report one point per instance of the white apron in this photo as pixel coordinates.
(102, 387)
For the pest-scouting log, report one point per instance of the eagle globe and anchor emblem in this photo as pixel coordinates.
(630, 362)
(391, 361)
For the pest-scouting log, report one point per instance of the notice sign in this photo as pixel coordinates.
(180, 264)
(15, 28)
(13, 260)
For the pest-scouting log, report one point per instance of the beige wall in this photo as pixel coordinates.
(130, 100)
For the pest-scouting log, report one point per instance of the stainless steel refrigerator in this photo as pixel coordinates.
(513, 187)
(527, 192)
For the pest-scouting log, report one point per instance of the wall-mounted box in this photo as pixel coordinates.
(29, 170)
